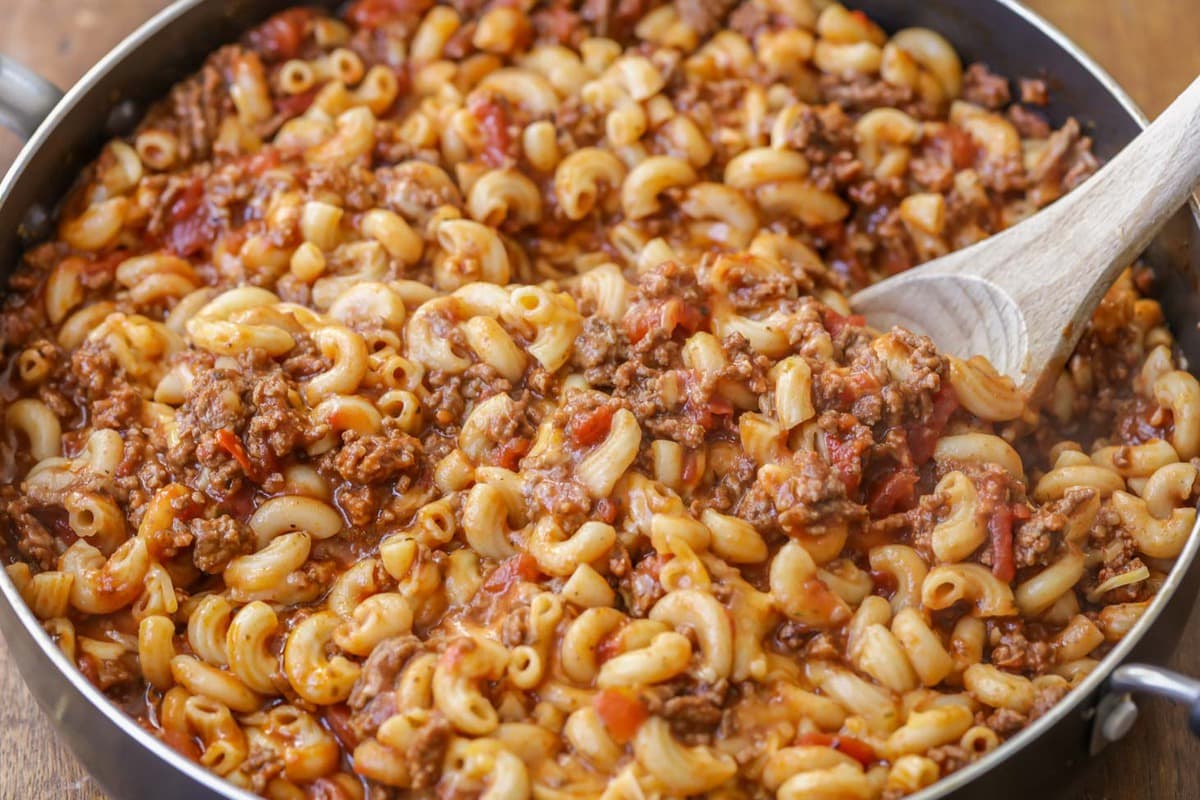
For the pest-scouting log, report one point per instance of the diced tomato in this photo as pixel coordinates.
(189, 231)
(559, 22)
(590, 427)
(258, 163)
(293, 105)
(821, 607)
(374, 13)
(239, 505)
(922, 438)
(669, 315)
(638, 322)
(1001, 533)
(608, 647)
(845, 456)
(230, 443)
(337, 719)
(857, 749)
(509, 454)
(691, 467)
(857, 385)
(102, 270)
(678, 314)
(622, 713)
(493, 120)
(282, 36)
(835, 322)
(893, 492)
(953, 144)
(521, 567)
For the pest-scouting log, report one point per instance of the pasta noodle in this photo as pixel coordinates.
(447, 400)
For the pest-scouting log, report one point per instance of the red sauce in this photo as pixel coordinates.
(857, 749)
(509, 454)
(845, 456)
(521, 567)
(895, 491)
(337, 719)
(493, 120)
(923, 438)
(189, 232)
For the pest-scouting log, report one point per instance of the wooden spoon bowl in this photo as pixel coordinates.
(1023, 297)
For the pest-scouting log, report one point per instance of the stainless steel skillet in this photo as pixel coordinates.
(65, 133)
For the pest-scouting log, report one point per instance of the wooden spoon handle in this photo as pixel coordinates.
(1086, 238)
(1057, 265)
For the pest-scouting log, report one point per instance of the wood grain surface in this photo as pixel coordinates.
(1148, 45)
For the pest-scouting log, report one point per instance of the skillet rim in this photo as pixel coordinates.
(99, 702)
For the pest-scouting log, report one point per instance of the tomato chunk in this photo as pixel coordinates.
(835, 323)
(857, 749)
(509, 454)
(922, 438)
(893, 492)
(590, 427)
(493, 121)
(374, 13)
(622, 713)
(1000, 530)
(189, 232)
(521, 567)
(230, 443)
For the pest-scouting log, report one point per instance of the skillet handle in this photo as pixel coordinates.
(1161, 682)
(26, 98)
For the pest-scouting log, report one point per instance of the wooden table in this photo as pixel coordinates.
(1148, 46)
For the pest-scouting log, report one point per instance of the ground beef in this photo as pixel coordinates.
(427, 752)
(949, 757)
(121, 407)
(694, 711)
(858, 94)
(1030, 124)
(985, 88)
(1013, 651)
(1034, 91)
(196, 107)
(704, 16)
(380, 670)
(375, 458)
(276, 428)
(94, 370)
(515, 628)
(1036, 539)
(218, 540)
(749, 18)
(1005, 721)
(640, 588)
(33, 540)
(798, 498)
(1046, 697)
(613, 18)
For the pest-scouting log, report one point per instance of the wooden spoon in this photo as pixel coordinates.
(1022, 297)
